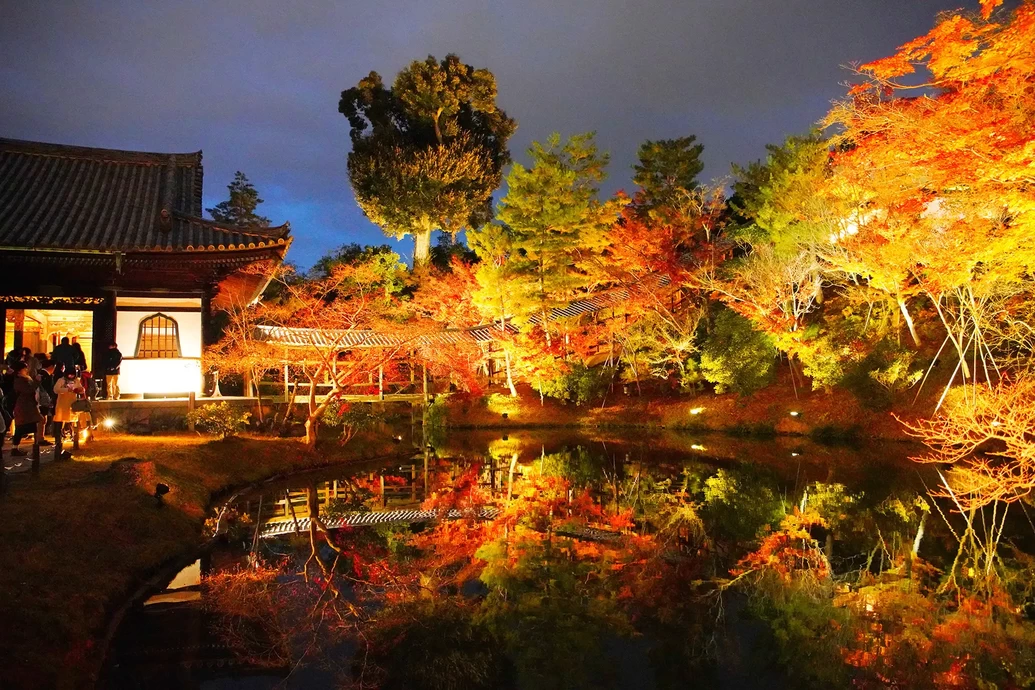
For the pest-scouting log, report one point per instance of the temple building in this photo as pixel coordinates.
(105, 246)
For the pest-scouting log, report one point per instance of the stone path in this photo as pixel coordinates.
(15, 465)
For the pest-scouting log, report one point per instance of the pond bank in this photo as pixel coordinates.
(779, 409)
(85, 535)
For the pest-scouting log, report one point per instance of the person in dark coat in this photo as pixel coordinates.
(80, 358)
(112, 367)
(27, 417)
(64, 355)
(47, 391)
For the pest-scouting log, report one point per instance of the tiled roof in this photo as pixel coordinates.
(598, 302)
(312, 337)
(54, 196)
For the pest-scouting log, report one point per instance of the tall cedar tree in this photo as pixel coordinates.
(239, 209)
(559, 226)
(428, 152)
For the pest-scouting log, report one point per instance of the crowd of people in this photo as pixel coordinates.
(52, 394)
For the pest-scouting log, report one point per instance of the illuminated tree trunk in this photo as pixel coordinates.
(313, 417)
(510, 378)
(421, 248)
(909, 319)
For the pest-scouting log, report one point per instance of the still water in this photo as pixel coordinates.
(523, 560)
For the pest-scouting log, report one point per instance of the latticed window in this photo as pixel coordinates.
(159, 337)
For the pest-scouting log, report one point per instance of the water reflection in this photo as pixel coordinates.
(532, 560)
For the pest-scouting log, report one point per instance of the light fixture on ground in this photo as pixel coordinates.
(697, 410)
(794, 413)
(108, 423)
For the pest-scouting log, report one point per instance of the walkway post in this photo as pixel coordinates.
(36, 454)
(190, 408)
(75, 434)
(380, 382)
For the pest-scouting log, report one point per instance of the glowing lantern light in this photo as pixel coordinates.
(108, 423)
(795, 413)
(697, 410)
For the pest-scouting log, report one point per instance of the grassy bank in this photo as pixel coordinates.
(776, 409)
(78, 538)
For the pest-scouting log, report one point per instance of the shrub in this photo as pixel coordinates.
(580, 385)
(887, 371)
(219, 419)
(352, 418)
(736, 357)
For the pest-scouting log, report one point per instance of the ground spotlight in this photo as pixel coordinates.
(794, 413)
(160, 491)
(697, 410)
(108, 423)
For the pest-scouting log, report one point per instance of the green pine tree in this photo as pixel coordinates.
(559, 226)
(239, 209)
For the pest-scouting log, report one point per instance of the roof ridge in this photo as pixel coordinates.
(254, 230)
(43, 148)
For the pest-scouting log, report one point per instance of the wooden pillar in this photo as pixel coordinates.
(18, 317)
(190, 408)
(247, 383)
(286, 385)
(104, 316)
(206, 338)
(381, 382)
(424, 369)
(75, 434)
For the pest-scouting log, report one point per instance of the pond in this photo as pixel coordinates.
(526, 559)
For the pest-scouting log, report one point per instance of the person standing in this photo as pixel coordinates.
(27, 417)
(112, 367)
(46, 396)
(64, 355)
(80, 358)
(67, 390)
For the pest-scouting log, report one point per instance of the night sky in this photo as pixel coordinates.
(255, 83)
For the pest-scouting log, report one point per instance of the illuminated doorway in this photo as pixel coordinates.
(42, 329)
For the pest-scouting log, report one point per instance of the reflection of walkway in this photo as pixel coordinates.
(390, 517)
(394, 517)
(14, 464)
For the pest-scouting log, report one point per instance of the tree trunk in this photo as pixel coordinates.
(909, 319)
(510, 476)
(421, 248)
(312, 418)
(258, 397)
(510, 378)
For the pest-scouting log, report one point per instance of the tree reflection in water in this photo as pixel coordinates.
(595, 569)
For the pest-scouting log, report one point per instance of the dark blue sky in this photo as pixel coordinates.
(255, 83)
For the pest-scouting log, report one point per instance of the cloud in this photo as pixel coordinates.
(255, 83)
